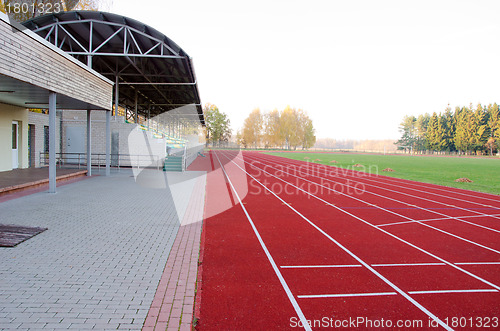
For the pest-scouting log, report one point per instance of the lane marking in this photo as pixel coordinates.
(410, 195)
(442, 219)
(406, 264)
(454, 291)
(371, 225)
(452, 217)
(477, 263)
(313, 296)
(294, 303)
(375, 272)
(320, 266)
(398, 223)
(393, 212)
(461, 238)
(414, 196)
(389, 180)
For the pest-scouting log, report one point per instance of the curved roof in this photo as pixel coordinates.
(152, 70)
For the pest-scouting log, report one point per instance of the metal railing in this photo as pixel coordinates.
(184, 156)
(99, 159)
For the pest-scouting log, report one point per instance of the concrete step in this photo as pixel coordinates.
(173, 163)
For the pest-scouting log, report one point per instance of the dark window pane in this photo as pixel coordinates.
(14, 136)
(46, 139)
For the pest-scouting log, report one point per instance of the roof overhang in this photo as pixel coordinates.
(153, 73)
(31, 68)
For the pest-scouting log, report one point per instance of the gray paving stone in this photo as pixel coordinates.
(9, 326)
(56, 326)
(101, 258)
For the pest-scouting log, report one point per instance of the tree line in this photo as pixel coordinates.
(466, 130)
(289, 128)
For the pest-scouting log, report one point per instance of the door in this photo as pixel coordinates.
(75, 144)
(15, 144)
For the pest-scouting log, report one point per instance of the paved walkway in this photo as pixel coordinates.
(23, 179)
(99, 264)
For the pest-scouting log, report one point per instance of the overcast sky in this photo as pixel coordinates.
(357, 67)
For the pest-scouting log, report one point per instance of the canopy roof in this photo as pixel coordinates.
(153, 72)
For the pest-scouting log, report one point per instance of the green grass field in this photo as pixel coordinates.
(484, 172)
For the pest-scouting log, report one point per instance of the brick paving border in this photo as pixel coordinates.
(173, 303)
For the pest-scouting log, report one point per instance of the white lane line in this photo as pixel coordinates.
(320, 266)
(371, 225)
(477, 263)
(294, 303)
(461, 238)
(454, 291)
(390, 211)
(453, 217)
(402, 193)
(313, 296)
(390, 180)
(413, 196)
(398, 223)
(406, 264)
(366, 265)
(442, 219)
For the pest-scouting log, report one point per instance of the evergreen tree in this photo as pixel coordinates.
(461, 138)
(478, 128)
(421, 125)
(465, 130)
(494, 127)
(433, 138)
(449, 125)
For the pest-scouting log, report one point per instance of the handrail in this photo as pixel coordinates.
(184, 156)
(99, 159)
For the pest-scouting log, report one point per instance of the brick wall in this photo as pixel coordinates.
(40, 121)
(129, 139)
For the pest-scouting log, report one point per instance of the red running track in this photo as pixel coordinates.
(290, 244)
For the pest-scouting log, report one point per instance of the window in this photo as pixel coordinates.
(46, 139)
(14, 135)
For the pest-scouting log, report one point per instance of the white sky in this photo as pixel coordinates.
(357, 67)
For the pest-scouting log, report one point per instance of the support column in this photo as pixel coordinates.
(117, 95)
(108, 143)
(52, 142)
(136, 108)
(149, 116)
(89, 144)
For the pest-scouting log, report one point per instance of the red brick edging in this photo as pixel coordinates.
(173, 303)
